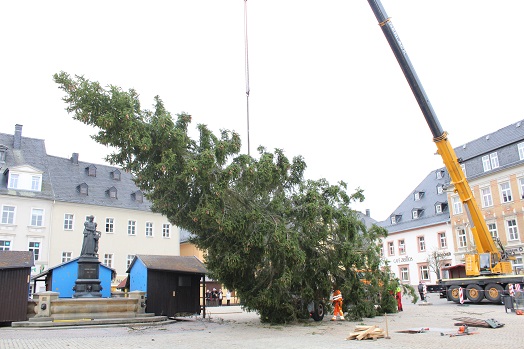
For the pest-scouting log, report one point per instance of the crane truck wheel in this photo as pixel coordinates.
(475, 293)
(493, 293)
(453, 294)
(318, 312)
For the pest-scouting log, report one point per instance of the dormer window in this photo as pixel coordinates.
(440, 207)
(83, 189)
(416, 213)
(111, 192)
(91, 170)
(440, 174)
(13, 181)
(138, 196)
(116, 175)
(440, 189)
(418, 195)
(396, 218)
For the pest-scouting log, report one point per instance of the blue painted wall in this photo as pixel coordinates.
(65, 275)
(138, 276)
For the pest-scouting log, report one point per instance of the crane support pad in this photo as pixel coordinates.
(488, 323)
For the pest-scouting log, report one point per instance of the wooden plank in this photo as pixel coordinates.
(366, 332)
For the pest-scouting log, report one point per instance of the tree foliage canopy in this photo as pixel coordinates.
(277, 239)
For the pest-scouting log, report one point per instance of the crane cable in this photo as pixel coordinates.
(246, 74)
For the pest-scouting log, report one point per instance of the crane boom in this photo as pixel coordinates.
(488, 259)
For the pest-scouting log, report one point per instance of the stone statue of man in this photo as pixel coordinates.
(91, 236)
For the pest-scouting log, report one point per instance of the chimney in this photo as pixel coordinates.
(368, 212)
(17, 144)
(74, 158)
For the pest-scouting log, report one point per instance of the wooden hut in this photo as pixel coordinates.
(15, 273)
(172, 283)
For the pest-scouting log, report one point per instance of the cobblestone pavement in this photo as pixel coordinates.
(230, 327)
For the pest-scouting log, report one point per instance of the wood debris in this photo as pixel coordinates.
(488, 323)
(367, 332)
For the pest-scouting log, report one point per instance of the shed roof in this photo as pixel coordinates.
(185, 264)
(16, 259)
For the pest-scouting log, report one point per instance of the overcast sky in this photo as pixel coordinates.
(324, 82)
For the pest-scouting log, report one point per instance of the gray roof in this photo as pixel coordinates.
(425, 206)
(67, 176)
(16, 259)
(507, 135)
(62, 177)
(184, 264)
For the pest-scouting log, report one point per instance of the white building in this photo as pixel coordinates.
(45, 201)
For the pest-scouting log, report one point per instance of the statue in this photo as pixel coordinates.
(91, 236)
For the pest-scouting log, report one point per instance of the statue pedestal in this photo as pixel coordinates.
(88, 283)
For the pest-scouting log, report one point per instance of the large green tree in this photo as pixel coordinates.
(277, 239)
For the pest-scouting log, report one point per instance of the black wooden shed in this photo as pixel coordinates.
(15, 274)
(172, 283)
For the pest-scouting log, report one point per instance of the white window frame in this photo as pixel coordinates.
(35, 247)
(494, 159)
(110, 225)
(404, 273)
(108, 260)
(438, 208)
(131, 227)
(424, 272)
(512, 229)
(69, 221)
(521, 187)
(414, 214)
(401, 246)
(457, 205)
(487, 198)
(8, 215)
(37, 217)
(462, 238)
(492, 228)
(129, 259)
(66, 256)
(6, 245)
(391, 248)
(486, 164)
(505, 192)
(166, 230)
(442, 240)
(421, 242)
(149, 229)
(463, 167)
(520, 148)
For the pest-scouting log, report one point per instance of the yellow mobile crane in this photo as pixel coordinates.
(486, 267)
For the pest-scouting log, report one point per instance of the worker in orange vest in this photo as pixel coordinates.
(337, 303)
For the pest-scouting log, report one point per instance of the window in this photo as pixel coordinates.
(492, 227)
(68, 221)
(463, 167)
(138, 196)
(110, 225)
(108, 260)
(404, 274)
(414, 214)
(418, 195)
(421, 244)
(83, 189)
(165, 230)
(131, 227)
(442, 242)
(393, 220)
(505, 192)
(66, 256)
(3, 150)
(424, 272)
(438, 208)
(91, 170)
(401, 247)
(149, 229)
(391, 248)
(487, 200)
(493, 157)
(8, 215)
(461, 236)
(116, 175)
(13, 181)
(521, 187)
(111, 192)
(513, 232)
(129, 260)
(520, 148)
(440, 189)
(485, 163)
(440, 174)
(35, 248)
(457, 205)
(37, 217)
(5, 245)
